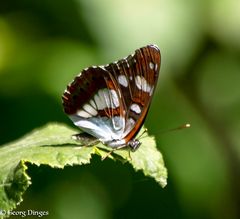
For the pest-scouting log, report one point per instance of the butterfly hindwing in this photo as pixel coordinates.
(93, 103)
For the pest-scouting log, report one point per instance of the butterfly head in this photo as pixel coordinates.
(134, 144)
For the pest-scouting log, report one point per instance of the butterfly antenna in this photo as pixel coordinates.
(144, 131)
(187, 125)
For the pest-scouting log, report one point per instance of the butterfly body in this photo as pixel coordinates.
(111, 102)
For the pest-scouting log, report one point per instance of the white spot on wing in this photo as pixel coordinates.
(151, 65)
(122, 80)
(128, 66)
(135, 108)
(138, 82)
(106, 97)
(66, 91)
(89, 109)
(114, 98)
(142, 84)
(93, 104)
(83, 114)
(117, 65)
(103, 95)
(98, 101)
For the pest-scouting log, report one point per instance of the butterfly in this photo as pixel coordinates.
(111, 102)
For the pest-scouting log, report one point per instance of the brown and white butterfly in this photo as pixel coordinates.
(111, 102)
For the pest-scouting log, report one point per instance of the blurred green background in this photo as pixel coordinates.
(44, 44)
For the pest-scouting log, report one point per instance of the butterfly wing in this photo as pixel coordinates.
(137, 77)
(93, 103)
(111, 102)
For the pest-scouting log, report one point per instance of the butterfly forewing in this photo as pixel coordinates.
(137, 78)
(111, 102)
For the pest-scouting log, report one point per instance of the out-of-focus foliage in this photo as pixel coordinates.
(44, 44)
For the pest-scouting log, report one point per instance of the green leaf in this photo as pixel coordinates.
(53, 145)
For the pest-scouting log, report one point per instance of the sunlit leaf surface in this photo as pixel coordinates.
(53, 145)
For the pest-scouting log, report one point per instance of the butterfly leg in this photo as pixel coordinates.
(114, 149)
(129, 154)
